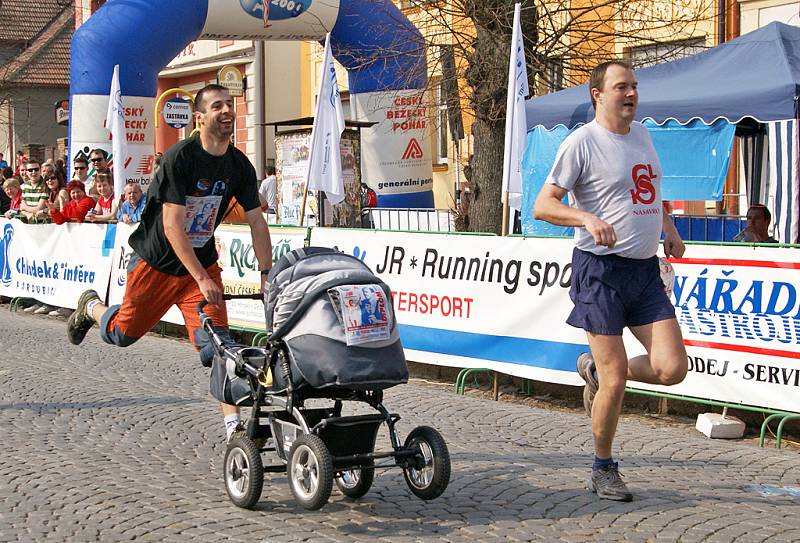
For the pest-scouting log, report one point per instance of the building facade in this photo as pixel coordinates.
(34, 76)
(199, 64)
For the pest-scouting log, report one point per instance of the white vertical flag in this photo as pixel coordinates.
(115, 123)
(325, 164)
(516, 122)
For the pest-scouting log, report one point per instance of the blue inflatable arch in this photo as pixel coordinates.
(381, 49)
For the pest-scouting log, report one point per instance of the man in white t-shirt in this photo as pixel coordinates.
(269, 190)
(612, 172)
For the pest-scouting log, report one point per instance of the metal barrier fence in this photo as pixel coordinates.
(717, 228)
(421, 220)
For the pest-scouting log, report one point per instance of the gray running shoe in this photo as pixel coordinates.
(609, 485)
(80, 321)
(239, 431)
(586, 369)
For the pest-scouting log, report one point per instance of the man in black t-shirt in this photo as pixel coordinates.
(175, 260)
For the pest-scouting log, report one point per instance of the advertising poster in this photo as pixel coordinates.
(396, 153)
(292, 151)
(346, 214)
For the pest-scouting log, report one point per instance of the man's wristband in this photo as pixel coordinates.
(265, 272)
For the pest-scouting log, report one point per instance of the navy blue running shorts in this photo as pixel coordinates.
(611, 292)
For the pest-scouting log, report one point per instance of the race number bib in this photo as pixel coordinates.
(364, 316)
(201, 216)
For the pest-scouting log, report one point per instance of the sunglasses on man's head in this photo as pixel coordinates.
(33, 169)
(96, 159)
(80, 167)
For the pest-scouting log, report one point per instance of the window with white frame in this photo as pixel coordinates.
(555, 74)
(648, 55)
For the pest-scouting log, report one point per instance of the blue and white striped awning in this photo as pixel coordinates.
(782, 182)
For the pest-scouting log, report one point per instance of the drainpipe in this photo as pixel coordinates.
(259, 97)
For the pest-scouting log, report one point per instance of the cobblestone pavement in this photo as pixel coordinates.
(108, 444)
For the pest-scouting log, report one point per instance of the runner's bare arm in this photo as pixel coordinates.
(673, 244)
(550, 208)
(262, 244)
(174, 216)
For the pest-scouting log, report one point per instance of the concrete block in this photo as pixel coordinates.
(715, 426)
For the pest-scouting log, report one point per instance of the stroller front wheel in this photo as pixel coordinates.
(310, 471)
(429, 472)
(244, 472)
(356, 482)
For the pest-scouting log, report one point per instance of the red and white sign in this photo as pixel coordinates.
(413, 151)
(395, 152)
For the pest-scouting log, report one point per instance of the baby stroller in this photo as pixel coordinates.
(332, 336)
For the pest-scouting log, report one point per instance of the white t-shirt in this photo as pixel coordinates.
(618, 179)
(269, 191)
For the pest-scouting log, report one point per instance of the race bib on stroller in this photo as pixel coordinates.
(363, 311)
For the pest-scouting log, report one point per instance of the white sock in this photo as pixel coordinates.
(90, 307)
(231, 422)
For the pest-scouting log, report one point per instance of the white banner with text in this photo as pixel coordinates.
(53, 263)
(502, 303)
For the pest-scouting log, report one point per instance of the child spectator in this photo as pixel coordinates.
(106, 207)
(11, 187)
(132, 206)
(76, 209)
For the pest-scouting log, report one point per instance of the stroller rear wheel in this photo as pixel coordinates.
(310, 471)
(244, 472)
(429, 472)
(355, 482)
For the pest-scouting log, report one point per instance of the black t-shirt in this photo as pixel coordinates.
(205, 184)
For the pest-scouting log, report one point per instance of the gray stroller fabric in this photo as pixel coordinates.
(300, 311)
(226, 386)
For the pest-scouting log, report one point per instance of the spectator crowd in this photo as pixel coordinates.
(38, 192)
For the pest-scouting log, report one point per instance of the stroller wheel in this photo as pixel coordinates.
(355, 482)
(428, 472)
(244, 472)
(310, 471)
